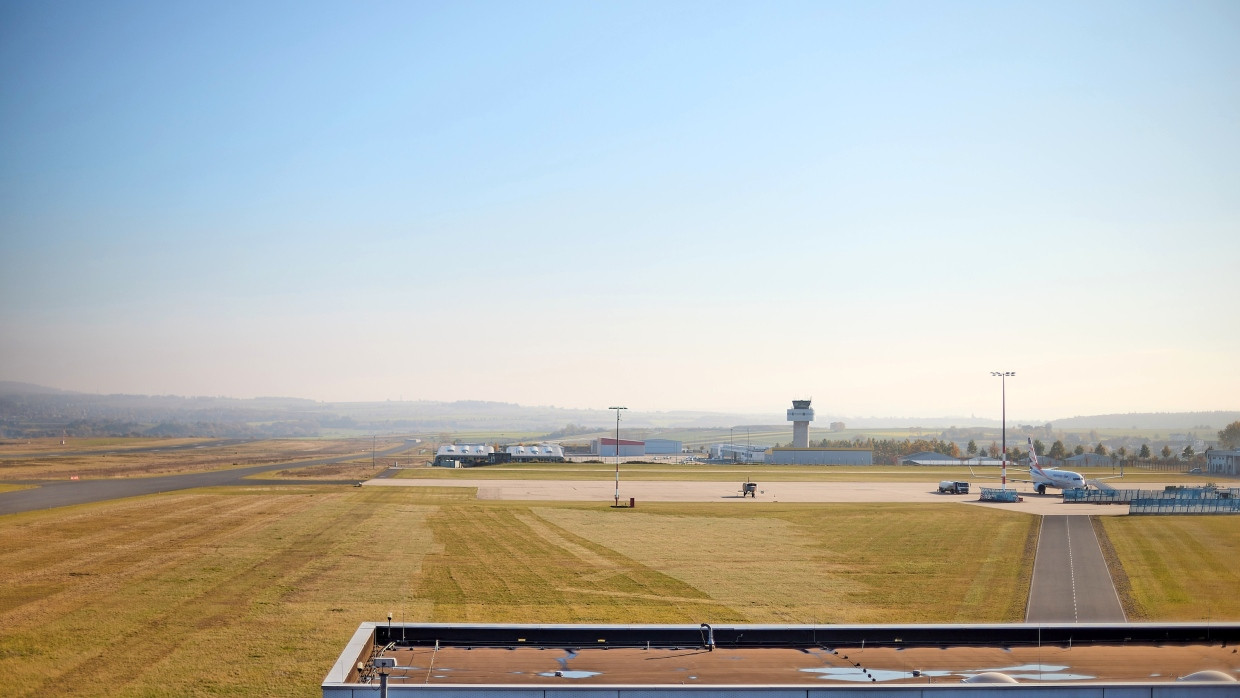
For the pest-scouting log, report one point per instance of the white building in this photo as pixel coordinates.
(738, 453)
(800, 415)
(540, 452)
(1223, 462)
(464, 455)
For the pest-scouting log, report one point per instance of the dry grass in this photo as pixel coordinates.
(54, 445)
(1178, 568)
(13, 488)
(98, 463)
(203, 593)
(829, 563)
(255, 591)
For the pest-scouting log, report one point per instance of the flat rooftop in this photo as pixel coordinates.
(563, 656)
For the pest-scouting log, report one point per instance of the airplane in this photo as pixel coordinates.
(1054, 477)
(1041, 478)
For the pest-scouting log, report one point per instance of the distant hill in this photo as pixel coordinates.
(18, 388)
(28, 410)
(1151, 420)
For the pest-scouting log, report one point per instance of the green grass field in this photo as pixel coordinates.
(254, 591)
(1177, 567)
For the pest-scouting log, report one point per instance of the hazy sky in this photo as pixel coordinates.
(664, 205)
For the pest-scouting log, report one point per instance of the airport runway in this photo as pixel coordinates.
(1071, 582)
(59, 493)
(214, 443)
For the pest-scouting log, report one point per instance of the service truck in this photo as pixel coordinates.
(953, 487)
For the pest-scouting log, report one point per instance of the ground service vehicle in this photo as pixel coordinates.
(953, 487)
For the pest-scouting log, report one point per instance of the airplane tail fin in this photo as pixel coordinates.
(1033, 459)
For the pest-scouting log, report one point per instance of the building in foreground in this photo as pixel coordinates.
(1132, 660)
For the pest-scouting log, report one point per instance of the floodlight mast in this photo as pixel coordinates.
(617, 409)
(1003, 388)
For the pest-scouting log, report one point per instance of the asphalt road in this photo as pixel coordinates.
(1071, 583)
(60, 493)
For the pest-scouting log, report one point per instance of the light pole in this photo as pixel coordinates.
(617, 409)
(1003, 387)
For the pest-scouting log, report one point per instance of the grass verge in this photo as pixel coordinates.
(1176, 568)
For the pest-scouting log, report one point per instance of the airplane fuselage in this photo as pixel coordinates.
(1059, 479)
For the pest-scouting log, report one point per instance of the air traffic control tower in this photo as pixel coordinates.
(800, 415)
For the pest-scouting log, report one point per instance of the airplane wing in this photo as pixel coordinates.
(997, 477)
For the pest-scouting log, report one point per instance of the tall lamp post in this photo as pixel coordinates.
(1003, 375)
(617, 409)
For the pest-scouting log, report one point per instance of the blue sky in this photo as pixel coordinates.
(664, 205)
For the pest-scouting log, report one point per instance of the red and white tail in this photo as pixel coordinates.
(1033, 460)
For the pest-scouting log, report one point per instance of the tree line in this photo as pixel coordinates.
(891, 450)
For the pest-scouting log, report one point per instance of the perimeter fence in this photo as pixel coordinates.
(1184, 506)
(1169, 501)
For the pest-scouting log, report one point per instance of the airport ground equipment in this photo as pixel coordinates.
(953, 487)
(990, 494)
